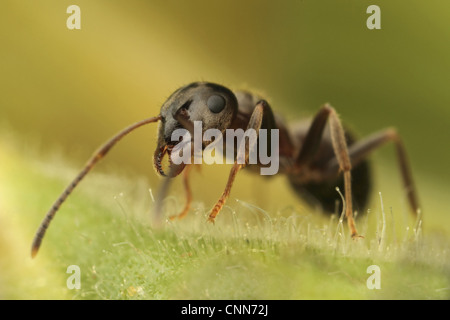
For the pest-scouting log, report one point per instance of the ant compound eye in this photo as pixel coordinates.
(216, 103)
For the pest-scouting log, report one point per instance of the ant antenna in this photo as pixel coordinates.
(99, 154)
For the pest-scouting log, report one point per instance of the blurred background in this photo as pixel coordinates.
(70, 90)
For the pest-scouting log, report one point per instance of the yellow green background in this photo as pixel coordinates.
(66, 91)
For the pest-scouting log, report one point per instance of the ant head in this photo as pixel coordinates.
(212, 104)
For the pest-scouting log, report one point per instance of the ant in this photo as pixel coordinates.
(316, 155)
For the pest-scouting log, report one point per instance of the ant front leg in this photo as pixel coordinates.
(188, 191)
(262, 118)
(221, 202)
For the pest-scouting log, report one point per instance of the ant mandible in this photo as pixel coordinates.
(316, 157)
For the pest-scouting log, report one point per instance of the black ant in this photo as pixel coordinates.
(316, 155)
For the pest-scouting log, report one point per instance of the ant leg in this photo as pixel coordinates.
(223, 198)
(311, 144)
(312, 140)
(361, 149)
(188, 191)
(341, 151)
(262, 118)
